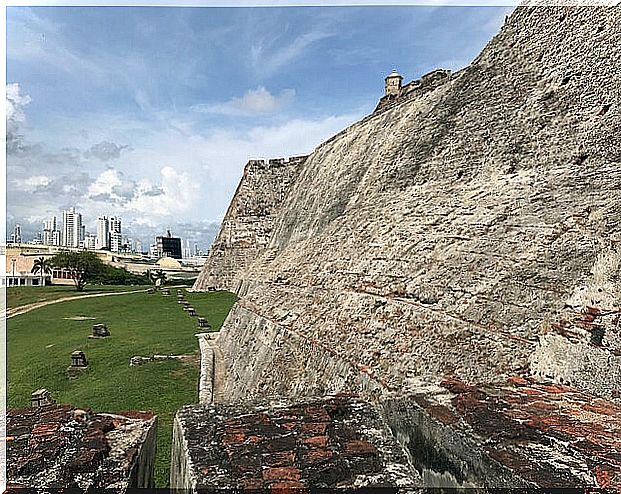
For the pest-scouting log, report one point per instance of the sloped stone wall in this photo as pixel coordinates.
(459, 231)
(248, 223)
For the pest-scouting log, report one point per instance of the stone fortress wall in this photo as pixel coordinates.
(248, 222)
(472, 230)
(456, 256)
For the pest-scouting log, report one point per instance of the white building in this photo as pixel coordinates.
(72, 228)
(103, 233)
(116, 239)
(50, 232)
(90, 241)
(16, 236)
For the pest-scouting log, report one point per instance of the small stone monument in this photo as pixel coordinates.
(165, 292)
(192, 312)
(100, 331)
(41, 397)
(78, 359)
(78, 364)
(203, 323)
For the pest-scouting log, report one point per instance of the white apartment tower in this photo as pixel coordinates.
(49, 229)
(116, 239)
(16, 236)
(103, 233)
(90, 240)
(72, 228)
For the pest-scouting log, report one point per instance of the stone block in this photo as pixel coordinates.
(59, 447)
(263, 444)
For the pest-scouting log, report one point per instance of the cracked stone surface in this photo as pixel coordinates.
(249, 221)
(337, 441)
(59, 446)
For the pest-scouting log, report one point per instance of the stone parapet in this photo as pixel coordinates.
(59, 446)
(338, 441)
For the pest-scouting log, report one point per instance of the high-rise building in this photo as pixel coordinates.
(116, 239)
(72, 228)
(168, 246)
(49, 227)
(138, 246)
(56, 238)
(103, 233)
(90, 241)
(16, 236)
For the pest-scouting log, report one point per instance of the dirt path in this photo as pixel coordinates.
(23, 309)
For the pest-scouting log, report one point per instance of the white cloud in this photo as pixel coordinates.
(267, 62)
(31, 184)
(15, 103)
(105, 184)
(178, 193)
(253, 102)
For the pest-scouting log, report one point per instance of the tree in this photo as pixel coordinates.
(81, 266)
(43, 266)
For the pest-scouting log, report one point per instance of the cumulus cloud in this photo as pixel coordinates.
(111, 186)
(106, 151)
(15, 116)
(104, 184)
(176, 194)
(181, 175)
(253, 102)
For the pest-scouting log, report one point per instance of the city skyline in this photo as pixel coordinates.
(70, 232)
(157, 116)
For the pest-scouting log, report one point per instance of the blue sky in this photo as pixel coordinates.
(151, 113)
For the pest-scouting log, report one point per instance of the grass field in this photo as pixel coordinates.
(39, 345)
(23, 295)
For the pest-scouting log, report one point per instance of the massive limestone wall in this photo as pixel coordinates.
(249, 220)
(474, 230)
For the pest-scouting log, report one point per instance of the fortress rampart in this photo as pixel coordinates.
(463, 238)
(248, 222)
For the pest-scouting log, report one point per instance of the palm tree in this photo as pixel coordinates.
(43, 266)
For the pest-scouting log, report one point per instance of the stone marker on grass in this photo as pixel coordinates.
(41, 397)
(78, 364)
(78, 359)
(100, 331)
(203, 323)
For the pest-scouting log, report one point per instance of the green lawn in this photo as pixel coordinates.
(40, 343)
(23, 295)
